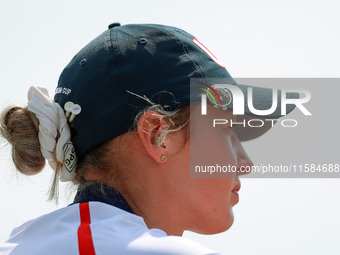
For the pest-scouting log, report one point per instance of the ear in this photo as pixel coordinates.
(149, 129)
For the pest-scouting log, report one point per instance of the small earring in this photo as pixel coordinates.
(163, 158)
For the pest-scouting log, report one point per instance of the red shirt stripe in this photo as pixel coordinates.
(84, 231)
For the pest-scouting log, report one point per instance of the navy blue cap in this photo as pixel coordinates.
(144, 59)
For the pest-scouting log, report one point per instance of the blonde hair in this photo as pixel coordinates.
(20, 127)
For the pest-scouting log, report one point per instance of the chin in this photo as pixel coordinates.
(215, 226)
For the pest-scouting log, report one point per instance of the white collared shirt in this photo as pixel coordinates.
(95, 228)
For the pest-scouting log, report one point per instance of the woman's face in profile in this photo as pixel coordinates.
(209, 201)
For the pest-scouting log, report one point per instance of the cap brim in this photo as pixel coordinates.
(262, 100)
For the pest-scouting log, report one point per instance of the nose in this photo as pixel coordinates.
(244, 163)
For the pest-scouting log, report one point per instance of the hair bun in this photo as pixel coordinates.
(19, 127)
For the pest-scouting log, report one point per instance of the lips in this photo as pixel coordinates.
(235, 190)
(237, 187)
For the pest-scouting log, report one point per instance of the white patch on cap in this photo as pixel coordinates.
(208, 52)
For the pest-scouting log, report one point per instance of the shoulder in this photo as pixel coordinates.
(45, 234)
(168, 245)
(111, 230)
(127, 233)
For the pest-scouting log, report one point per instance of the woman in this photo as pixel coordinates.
(126, 128)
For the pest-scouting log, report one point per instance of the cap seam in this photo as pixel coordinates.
(121, 83)
(184, 50)
(187, 55)
(113, 34)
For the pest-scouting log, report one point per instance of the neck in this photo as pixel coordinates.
(155, 202)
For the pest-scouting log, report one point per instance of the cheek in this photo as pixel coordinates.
(220, 192)
(217, 146)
